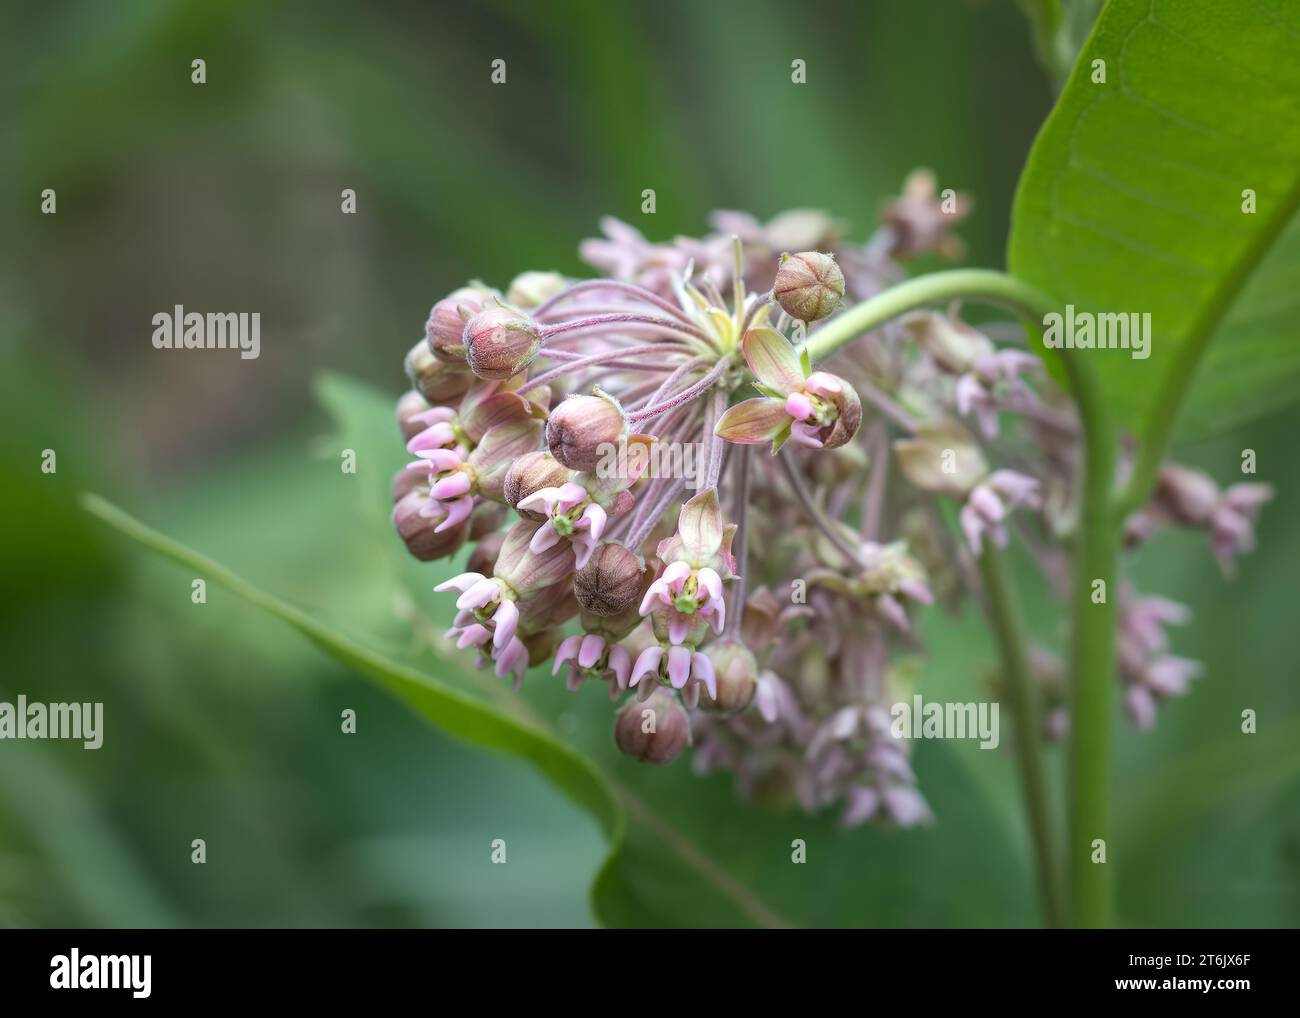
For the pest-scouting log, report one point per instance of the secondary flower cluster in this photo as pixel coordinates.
(664, 494)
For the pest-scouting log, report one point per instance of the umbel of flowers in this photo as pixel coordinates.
(756, 600)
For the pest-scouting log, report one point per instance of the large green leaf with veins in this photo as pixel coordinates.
(1134, 198)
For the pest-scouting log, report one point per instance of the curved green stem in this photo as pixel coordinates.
(1004, 615)
(1092, 624)
(984, 285)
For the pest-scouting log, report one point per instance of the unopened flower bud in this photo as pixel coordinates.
(951, 343)
(1188, 496)
(578, 428)
(809, 285)
(529, 474)
(942, 459)
(527, 571)
(500, 342)
(611, 582)
(410, 404)
(486, 520)
(419, 532)
(407, 480)
(437, 381)
(541, 645)
(445, 329)
(529, 289)
(483, 559)
(736, 676)
(654, 730)
(498, 450)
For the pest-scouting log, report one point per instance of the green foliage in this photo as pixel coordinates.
(1132, 201)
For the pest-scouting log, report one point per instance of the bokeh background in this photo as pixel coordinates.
(223, 724)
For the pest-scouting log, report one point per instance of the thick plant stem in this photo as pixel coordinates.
(1004, 615)
(1092, 610)
(1092, 661)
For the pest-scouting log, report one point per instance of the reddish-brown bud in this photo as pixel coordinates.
(410, 404)
(445, 329)
(809, 285)
(611, 582)
(653, 731)
(405, 481)
(578, 428)
(529, 474)
(500, 342)
(437, 381)
(418, 531)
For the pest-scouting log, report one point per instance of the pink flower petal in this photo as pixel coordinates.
(702, 670)
(753, 421)
(459, 583)
(772, 359)
(451, 486)
(679, 666)
(566, 651)
(592, 647)
(506, 618)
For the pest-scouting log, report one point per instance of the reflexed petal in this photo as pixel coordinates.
(805, 434)
(753, 422)
(710, 581)
(679, 666)
(459, 583)
(594, 517)
(545, 537)
(566, 651)
(457, 512)
(482, 593)
(772, 359)
(620, 663)
(647, 663)
(506, 618)
(592, 647)
(702, 669)
(452, 486)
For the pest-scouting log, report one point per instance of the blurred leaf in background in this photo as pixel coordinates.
(223, 724)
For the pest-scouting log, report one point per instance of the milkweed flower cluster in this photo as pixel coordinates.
(758, 602)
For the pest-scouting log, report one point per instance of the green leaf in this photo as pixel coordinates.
(1132, 201)
(451, 710)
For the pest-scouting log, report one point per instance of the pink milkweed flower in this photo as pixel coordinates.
(1163, 678)
(685, 597)
(1190, 498)
(776, 701)
(488, 618)
(1232, 524)
(993, 378)
(442, 458)
(989, 503)
(814, 408)
(450, 485)
(680, 667)
(570, 513)
(591, 656)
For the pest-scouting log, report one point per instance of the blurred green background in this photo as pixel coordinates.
(224, 725)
